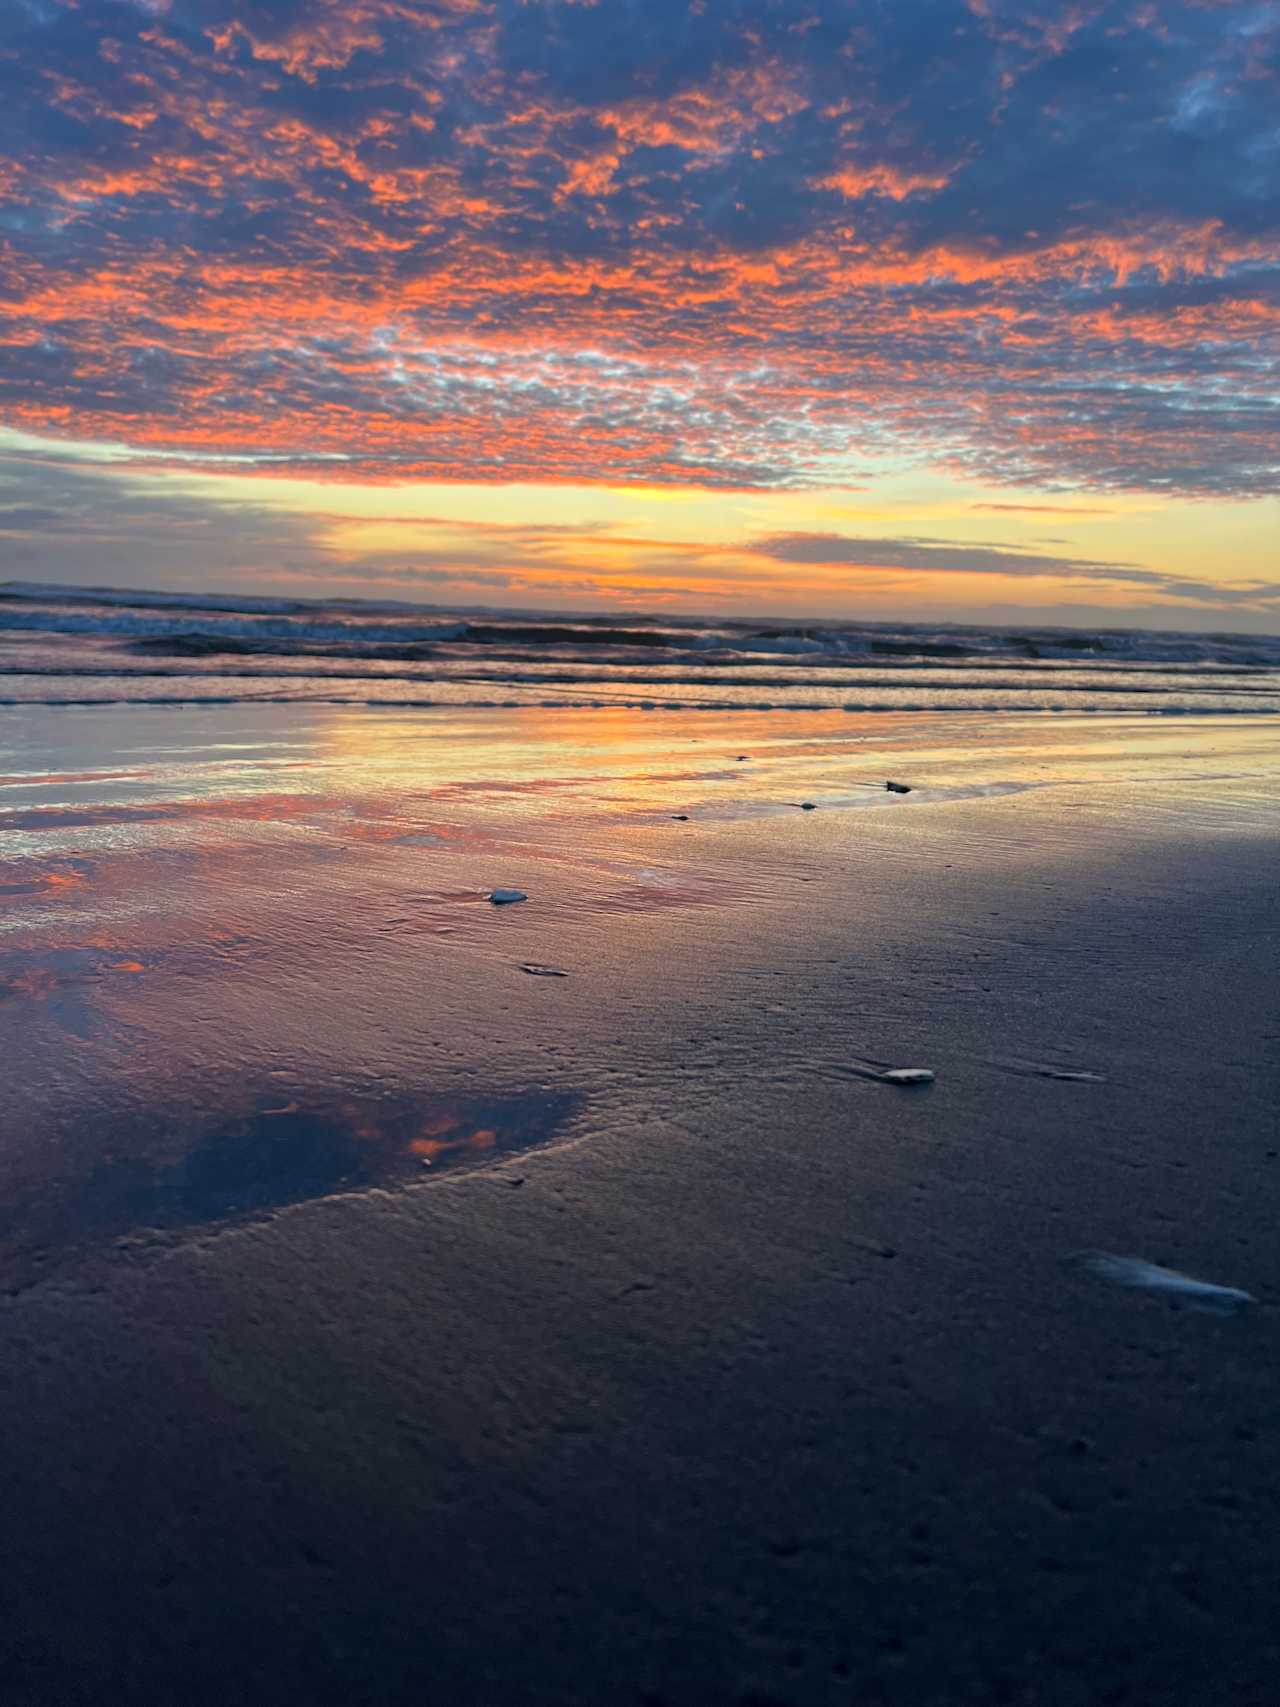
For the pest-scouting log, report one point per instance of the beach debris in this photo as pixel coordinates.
(1177, 1288)
(743, 757)
(808, 806)
(907, 1076)
(535, 970)
(1047, 1070)
(504, 897)
(680, 817)
(898, 787)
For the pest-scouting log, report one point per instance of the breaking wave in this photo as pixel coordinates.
(55, 641)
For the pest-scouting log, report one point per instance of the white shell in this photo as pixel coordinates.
(908, 1076)
(1179, 1288)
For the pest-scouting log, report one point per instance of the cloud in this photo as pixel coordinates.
(59, 520)
(739, 245)
(64, 521)
(914, 553)
(830, 550)
(1043, 509)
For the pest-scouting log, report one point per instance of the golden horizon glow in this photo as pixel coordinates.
(573, 547)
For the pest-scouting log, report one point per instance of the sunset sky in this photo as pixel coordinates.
(958, 309)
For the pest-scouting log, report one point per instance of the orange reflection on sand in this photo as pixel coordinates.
(20, 880)
(36, 981)
(483, 1138)
(433, 1128)
(361, 1123)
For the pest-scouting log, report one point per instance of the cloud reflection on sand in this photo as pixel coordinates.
(166, 1168)
(231, 990)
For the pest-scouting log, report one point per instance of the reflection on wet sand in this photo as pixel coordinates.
(336, 923)
(173, 1169)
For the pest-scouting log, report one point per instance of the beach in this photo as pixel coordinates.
(639, 810)
(408, 1297)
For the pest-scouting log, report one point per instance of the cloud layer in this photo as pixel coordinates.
(738, 243)
(61, 519)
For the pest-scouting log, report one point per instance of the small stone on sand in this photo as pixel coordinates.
(504, 897)
(681, 817)
(908, 1076)
(807, 806)
(898, 787)
(536, 971)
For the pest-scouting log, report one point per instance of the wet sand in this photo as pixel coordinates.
(385, 1323)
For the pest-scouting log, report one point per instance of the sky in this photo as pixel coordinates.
(960, 310)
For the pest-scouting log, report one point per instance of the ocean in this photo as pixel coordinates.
(107, 646)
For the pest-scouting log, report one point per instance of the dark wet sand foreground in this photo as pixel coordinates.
(385, 1323)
